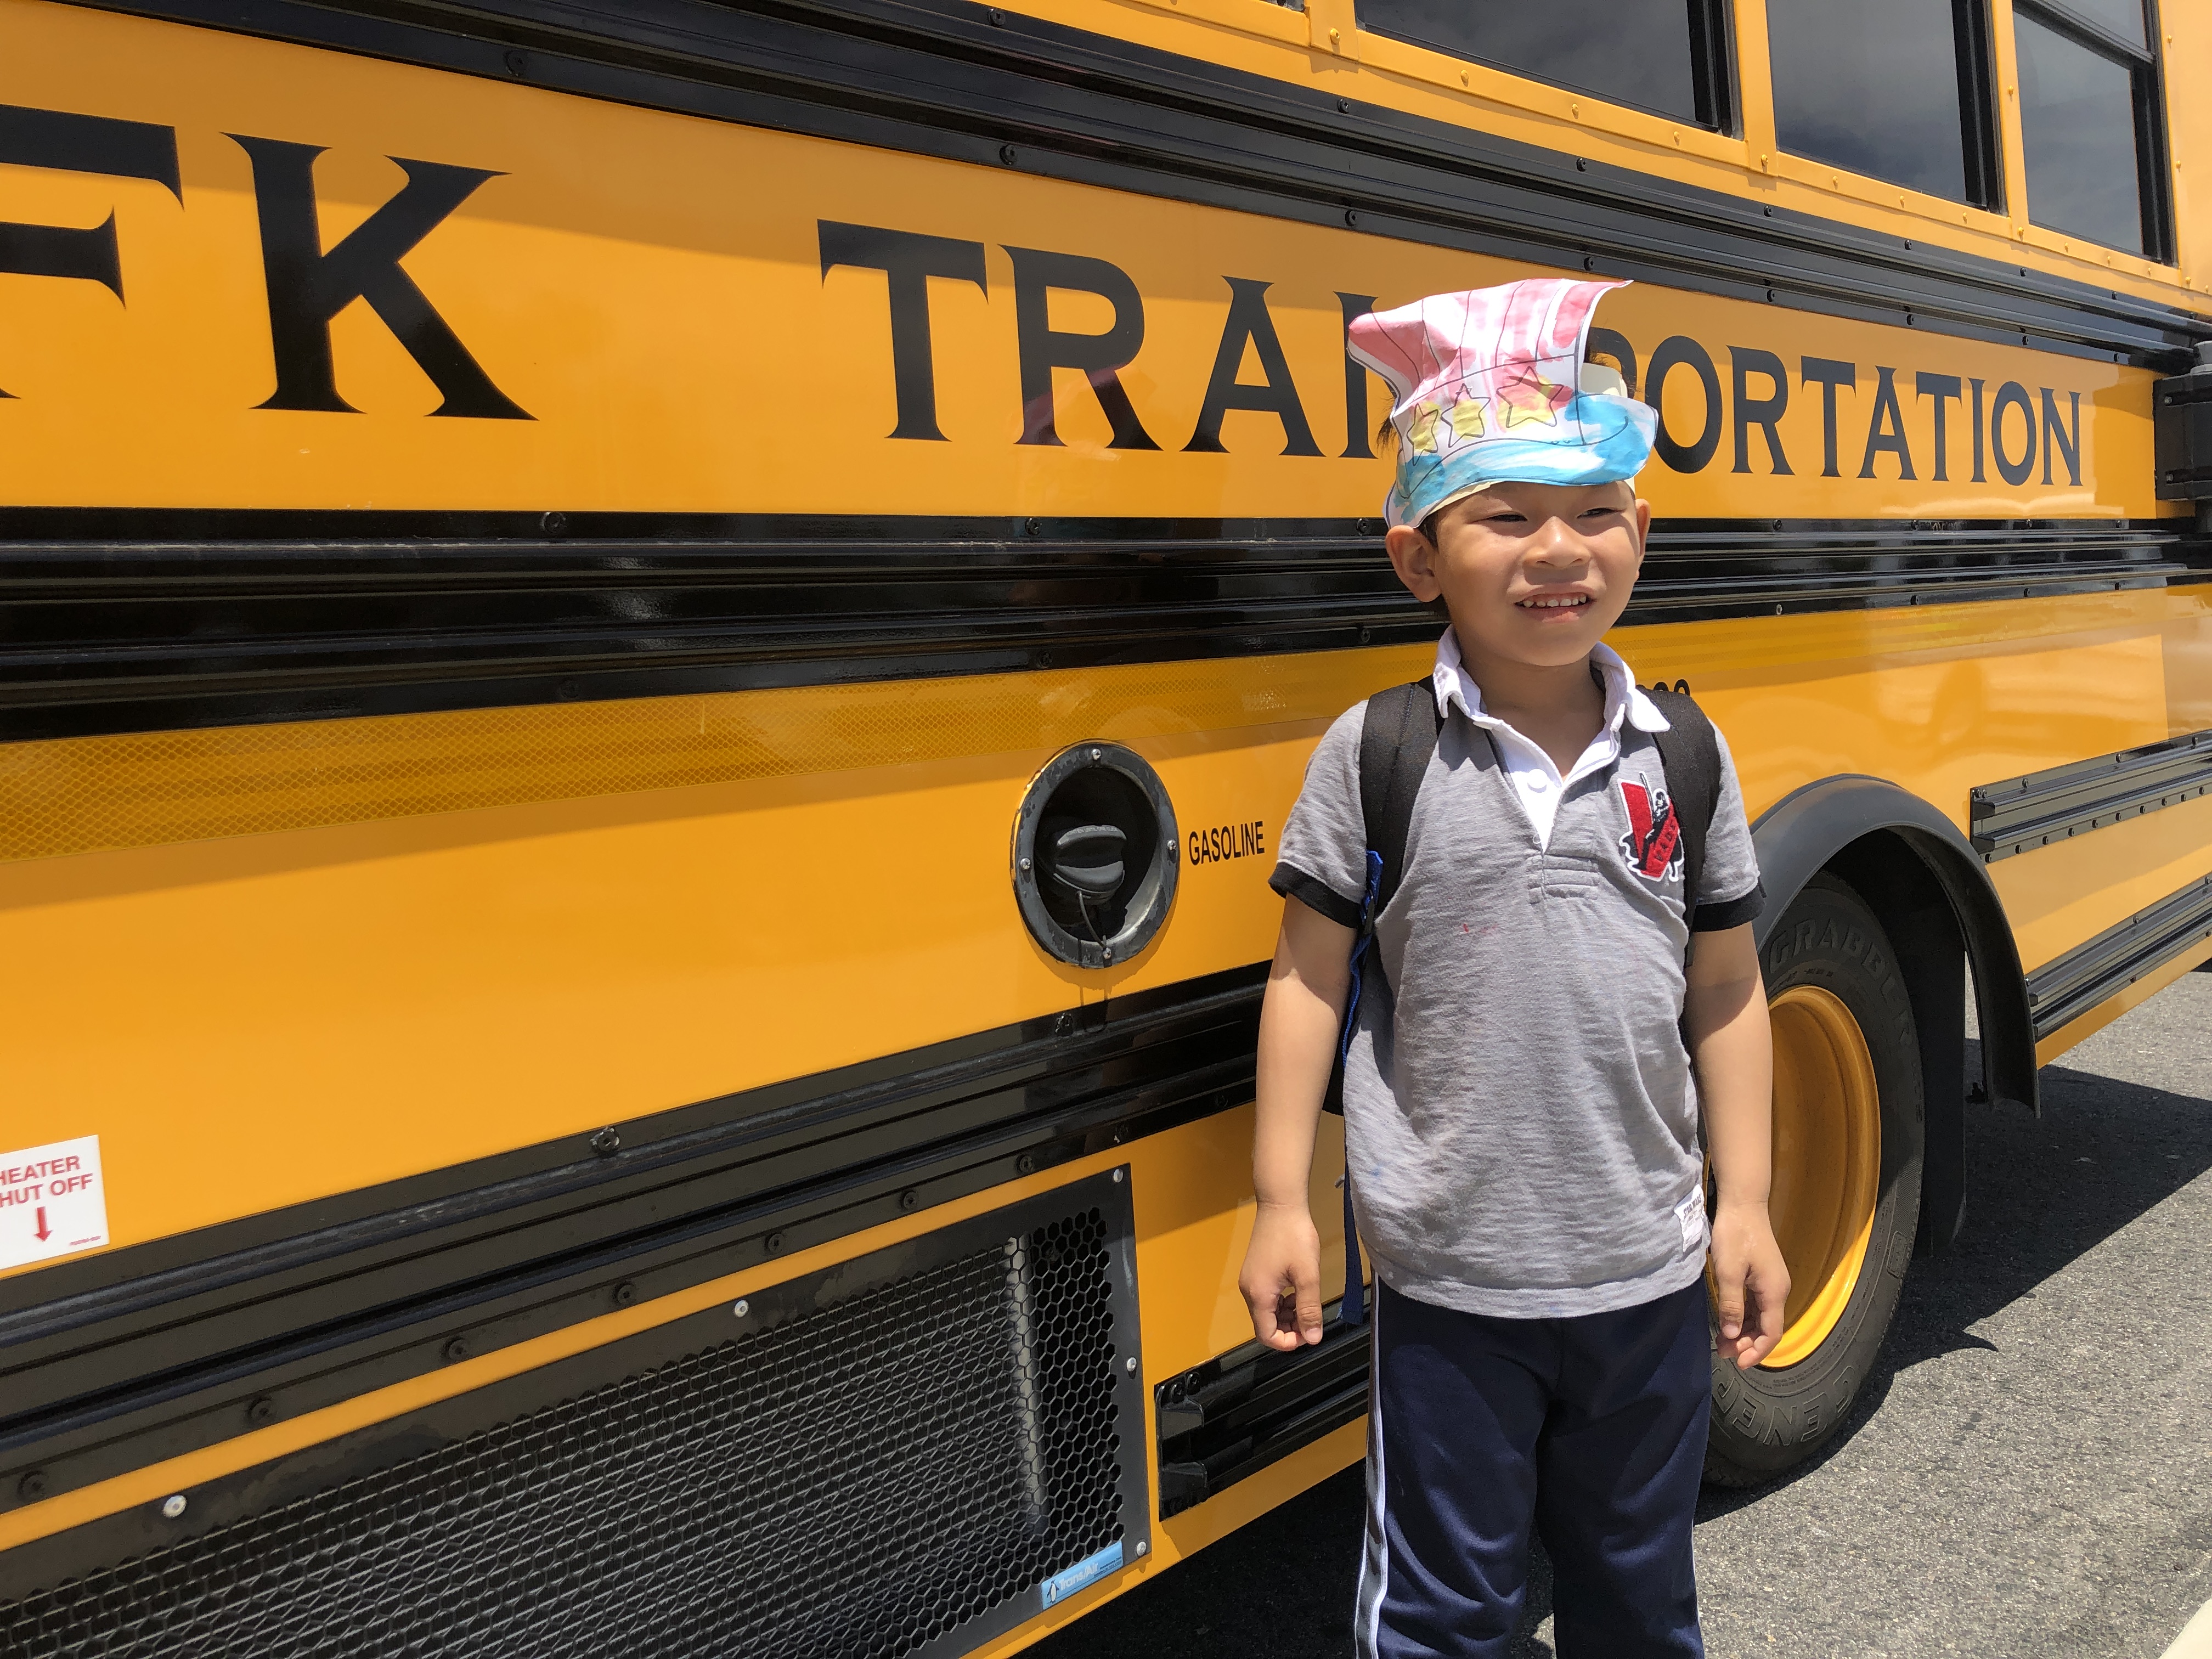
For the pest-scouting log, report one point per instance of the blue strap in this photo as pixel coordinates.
(1360, 945)
(1353, 1311)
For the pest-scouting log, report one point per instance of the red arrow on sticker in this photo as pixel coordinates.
(44, 1231)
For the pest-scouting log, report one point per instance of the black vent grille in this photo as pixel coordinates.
(876, 1469)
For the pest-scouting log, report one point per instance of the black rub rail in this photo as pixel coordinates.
(122, 1360)
(2020, 814)
(2063, 990)
(1228, 1419)
(115, 621)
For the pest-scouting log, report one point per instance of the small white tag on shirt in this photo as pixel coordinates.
(1691, 1213)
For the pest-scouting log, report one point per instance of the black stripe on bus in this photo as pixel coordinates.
(120, 1360)
(2018, 815)
(1225, 1420)
(229, 617)
(979, 84)
(2068, 987)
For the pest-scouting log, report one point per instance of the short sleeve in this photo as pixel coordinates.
(1729, 894)
(1321, 856)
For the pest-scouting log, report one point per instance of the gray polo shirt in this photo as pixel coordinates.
(1520, 1113)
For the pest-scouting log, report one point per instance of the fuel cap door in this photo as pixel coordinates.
(1095, 854)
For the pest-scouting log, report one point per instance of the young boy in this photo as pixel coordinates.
(1522, 1112)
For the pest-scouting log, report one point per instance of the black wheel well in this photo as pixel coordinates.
(1932, 893)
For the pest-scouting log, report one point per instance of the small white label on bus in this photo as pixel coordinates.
(52, 1201)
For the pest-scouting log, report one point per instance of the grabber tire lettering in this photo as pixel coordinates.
(1830, 951)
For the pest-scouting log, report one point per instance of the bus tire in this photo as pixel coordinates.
(1849, 1132)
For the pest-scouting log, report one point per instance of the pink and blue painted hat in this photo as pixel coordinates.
(1491, 386)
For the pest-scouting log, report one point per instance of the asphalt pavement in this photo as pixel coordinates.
(2029, 1470)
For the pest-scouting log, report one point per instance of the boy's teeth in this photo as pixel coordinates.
(1553, 605)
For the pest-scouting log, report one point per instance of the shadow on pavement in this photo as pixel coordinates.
(2042, 1192)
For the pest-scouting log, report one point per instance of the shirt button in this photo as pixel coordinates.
(1538, 785)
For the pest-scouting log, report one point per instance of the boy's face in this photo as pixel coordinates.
(1531, 573)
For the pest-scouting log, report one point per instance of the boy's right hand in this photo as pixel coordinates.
(1281, 1280)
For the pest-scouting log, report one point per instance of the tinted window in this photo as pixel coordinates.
(1873, 86)
(2122, 17)
(1632, 52)
(2077, 118)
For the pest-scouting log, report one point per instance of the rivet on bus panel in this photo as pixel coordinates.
(741, 1308)
(173, 1505)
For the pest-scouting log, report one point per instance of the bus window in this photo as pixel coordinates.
(2121, 18)
(2087, 104)
(1892, 89)
(1657, 55)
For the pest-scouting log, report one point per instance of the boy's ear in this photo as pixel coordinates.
(1414, 556)
(1643, 515)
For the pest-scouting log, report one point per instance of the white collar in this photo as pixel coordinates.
(1623, 698)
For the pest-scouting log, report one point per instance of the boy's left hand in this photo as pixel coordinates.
(1751, 1283)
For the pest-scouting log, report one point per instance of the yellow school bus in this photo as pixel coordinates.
(652, 653)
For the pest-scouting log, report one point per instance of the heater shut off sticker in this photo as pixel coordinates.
(52, 1201)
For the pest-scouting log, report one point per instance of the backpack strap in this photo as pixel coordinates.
(1396, 737)
(1690, 754)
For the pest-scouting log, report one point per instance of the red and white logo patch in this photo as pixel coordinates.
(1653, 845)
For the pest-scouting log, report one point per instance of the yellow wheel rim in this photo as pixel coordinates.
(1827, 1161)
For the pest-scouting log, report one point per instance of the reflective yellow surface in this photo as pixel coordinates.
(270, 963)
(1827, 1161)
(2185, 28)
(398, 944)
(649, 289)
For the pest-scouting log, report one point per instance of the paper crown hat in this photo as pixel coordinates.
(1491, 385)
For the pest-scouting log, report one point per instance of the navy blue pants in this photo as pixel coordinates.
(1590, 1430)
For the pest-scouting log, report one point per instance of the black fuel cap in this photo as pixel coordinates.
(1087, 860)
(1095, 855)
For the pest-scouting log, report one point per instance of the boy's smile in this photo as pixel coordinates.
(1533, 574)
